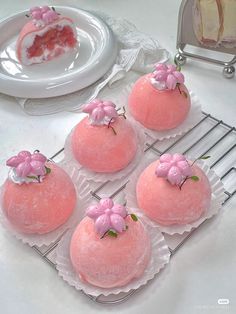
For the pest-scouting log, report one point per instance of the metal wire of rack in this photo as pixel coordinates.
(209, 136)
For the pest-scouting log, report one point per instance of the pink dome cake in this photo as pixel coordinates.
(173, 191)
(45, 37)
(160, 101)
(38, 196)
(105, 141)
(109, 248)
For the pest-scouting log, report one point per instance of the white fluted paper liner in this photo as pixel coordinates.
(193, 117)
(217, 198)
(74, 165)
(159, 258)
(83, 196)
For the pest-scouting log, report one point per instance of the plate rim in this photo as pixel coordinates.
(44, 85)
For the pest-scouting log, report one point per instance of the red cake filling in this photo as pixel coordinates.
(63, 37)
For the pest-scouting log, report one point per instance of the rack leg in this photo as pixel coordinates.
(229, 71)
(180, 59)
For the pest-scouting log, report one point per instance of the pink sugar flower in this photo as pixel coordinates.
(167, 75)
(27, 164)
(107, 215)
(175, 168)
(100, 112)
(44, 14)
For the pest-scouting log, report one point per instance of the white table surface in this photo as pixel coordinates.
(200, 273)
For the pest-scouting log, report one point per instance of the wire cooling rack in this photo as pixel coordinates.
(209, 136)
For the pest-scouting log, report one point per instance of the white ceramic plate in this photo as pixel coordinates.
(66, 74)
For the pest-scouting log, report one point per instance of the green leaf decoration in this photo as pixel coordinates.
(48, 170)
(134, 217)
(205, 157)
(194, 178)
(32, 177)
(112, 233)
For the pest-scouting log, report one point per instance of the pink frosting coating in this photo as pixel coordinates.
(98, 149)
(168, 204)
(175, 168)
(110, 262)
(40, 208)
(158, 109)
(167, 75)
(100, 112)
(107, 215)
(27, 164)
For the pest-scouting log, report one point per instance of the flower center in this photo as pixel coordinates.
(108, 211)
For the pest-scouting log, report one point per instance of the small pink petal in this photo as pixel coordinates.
(46, 18)
(98, 114)
(109, 103)
(185, 168)
(102, 224)
(171, 68)
(37, 15)
(160, 75)
(14, 161)
(110, 112)
(179, 76)
(94, 211)
(174, 176)
(96, 101)
(166, 158)
(39, 157)
(161, 66)
(171, 81)
(24, 154)
(106, 203)
(37, 168)
(119, 210)
(50, 16)
(88, 108)
(163, 169)
(117, 223)
(178, 157)
(23, 169)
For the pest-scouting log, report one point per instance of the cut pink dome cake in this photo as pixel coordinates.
(105, 141)
(173, 191)
(38, 195)
(109, 248)
(159, 100)
(46, 36)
